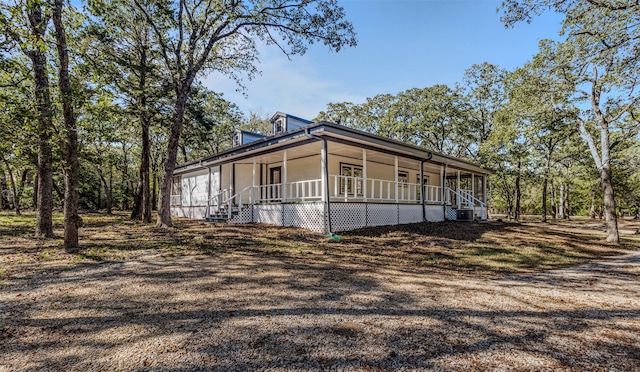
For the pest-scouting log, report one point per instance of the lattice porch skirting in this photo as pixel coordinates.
(344, 216)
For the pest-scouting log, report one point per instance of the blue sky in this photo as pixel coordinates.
(401, 45)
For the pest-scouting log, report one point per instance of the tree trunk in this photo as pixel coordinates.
(44, 207)
(561, 202)
(609, 206)
(553, 199)
(14, 191)
(154, 192)
(166, 183)
(544, 199)
(107, 192)
(602, 159)
(184, 153)
(592, 209)
(517, 191)
(136, 211)
(2, 186)
(34, 201)
(567, 209)
(72, 220)
(22, 183)
(144, 173)
(144, 202)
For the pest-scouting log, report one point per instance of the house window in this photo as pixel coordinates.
(426, 179)
(426, 182)
(403, 177)
(176, 191)
(277, 126)
(352, 177)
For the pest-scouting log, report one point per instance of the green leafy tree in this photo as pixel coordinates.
(199, 36)
(485, 93)
(548, 118)
(209, 123)
(72, 220)
(24, 26)
(128, 59)
(598, 62)
(257, 122)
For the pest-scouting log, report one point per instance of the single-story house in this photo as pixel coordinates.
(328, 178)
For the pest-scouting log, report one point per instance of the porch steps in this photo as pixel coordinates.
(222, 215)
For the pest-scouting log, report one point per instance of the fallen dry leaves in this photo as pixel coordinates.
(419, 297)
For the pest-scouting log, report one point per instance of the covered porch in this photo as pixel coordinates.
(336, 180)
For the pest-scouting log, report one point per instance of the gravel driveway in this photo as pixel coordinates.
(256, 311)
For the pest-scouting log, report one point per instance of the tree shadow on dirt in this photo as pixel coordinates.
(455, 230)
(259, 312)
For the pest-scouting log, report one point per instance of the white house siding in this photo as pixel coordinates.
(189, 212)
(195, 188)
(307, 168)
(244, 176)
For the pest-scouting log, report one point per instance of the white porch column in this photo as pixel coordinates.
(231, 180)
(458, 189)
(395, 161)
(209, 195)
(253, 182)
(484, 189)
(364, 175)
(473, 187)
(442, 185)
(323, 173)
(484, 196)
(325, 186)
(284, 176)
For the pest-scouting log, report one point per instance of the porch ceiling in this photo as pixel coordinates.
(343, 150)
(310, 149)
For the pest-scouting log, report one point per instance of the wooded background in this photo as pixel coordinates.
(99, 103)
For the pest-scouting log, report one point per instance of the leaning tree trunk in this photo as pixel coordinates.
(611, 218)
(164, 200)
(72, 220)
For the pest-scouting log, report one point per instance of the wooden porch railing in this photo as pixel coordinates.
(349, 188)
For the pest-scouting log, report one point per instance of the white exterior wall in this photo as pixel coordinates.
(244, 176)
(303, 169)
(195, 188)
(198, 213)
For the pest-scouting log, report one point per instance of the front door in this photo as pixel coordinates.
(275, 179)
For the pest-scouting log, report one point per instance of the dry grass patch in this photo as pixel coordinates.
(458, 247)
(450, 296)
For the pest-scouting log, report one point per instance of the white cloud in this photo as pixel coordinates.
(298, 86)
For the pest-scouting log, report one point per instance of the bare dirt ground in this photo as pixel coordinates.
(497, 296)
